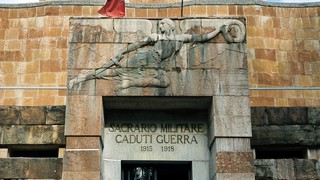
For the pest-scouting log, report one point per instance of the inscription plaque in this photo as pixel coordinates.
(157, 136)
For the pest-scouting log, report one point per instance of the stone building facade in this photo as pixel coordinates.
(262, 93)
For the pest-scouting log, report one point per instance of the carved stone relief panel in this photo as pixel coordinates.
(155, 57)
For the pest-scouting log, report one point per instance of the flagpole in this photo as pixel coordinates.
(181, 8)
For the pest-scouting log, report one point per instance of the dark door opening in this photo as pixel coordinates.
(133, 170)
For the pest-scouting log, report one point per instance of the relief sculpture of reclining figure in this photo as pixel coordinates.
(143, 68)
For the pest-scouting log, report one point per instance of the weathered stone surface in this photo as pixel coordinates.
(3, 152)
(109, 30)
(27, 115)
(204, 69)
(81, 119)
(87, 57)
(258, 115)
(83, 142)
(55, 115)
(32, 115)
(233, 176)
(285, 135)
(234, 162)
(36, 134)
(216, 56)
(232, 145)
(287, 116)
(231, 106)
(313, 153)
(88, 88)
(202, 26)
(31, 168)
(231, 116)
(113, 166)
(234, 82)
(199, 83)
(9, 115)
(91, 30)
(192, 71)
(286, 169)
(81, 161)
(274, 169)
(168, 133)
(131, 30)
(314, 115)
(200, 170)
(193, 83)
(83, 175)
(307, 169)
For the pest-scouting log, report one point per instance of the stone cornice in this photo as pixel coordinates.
(166, 5)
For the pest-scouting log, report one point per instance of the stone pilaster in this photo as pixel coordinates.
(84, 130)
(229, 138)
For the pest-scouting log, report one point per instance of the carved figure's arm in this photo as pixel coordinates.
(198, 37)
(135, 46)
(237, 36)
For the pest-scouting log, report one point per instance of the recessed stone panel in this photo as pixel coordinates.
(156, 135)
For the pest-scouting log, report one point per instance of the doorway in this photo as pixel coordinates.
(143, 170)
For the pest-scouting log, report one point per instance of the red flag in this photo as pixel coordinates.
(113, 8)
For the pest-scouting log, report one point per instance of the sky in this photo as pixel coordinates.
(292, 1)
(18, 1)
(282, 1)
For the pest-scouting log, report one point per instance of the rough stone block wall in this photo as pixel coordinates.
(282, 46)
(287, 169)
(30, 129)
(285, 127)
(32, 126)
(264, 119)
